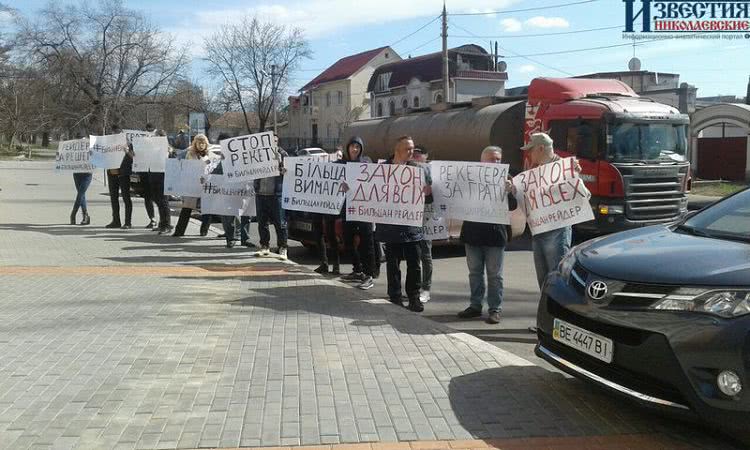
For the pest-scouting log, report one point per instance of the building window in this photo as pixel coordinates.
(340, 96)
(391, 108)
(380, 109)
(416, 102)
(328, 99)
(439, 98)
(575, 136)
(383, 81)
(405, 104)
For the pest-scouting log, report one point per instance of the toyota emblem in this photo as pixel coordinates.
(597, 290)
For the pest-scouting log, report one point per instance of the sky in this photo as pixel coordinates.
(338, 28)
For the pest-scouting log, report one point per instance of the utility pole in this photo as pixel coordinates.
(446, 96)
(273, 96)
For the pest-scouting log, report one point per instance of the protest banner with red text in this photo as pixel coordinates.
(385, 193)
(553, 196)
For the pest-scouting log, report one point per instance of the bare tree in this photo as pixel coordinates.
(253, 61)
(112, 55)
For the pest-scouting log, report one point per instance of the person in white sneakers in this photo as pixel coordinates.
(269, 209)
(420, 156)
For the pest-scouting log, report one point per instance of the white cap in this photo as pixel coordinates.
(542, 139)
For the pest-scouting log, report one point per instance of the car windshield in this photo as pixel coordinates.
(648, 142)
(728, 219)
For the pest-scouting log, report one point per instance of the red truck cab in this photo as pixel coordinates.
(633, 151)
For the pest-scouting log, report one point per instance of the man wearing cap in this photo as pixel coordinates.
(550, 247)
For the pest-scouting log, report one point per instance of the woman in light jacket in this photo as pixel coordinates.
(198, 150)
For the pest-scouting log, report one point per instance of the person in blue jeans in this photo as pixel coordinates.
(549, 247)
(485, 249)
(82, 181)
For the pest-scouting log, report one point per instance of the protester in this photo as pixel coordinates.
(485, 249)
(82, 181)
(549, 247)
(421, 156)
(403, 242)
(148, 200)
(328, 247)
(156, 187)
(113, 183)
(181, 140)
(126, 169)
(363, 255)
(268, 209)
(199, 150)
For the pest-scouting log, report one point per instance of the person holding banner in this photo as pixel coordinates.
(363, 255)
(403, 242)
(485, 249)
(421, 157)
(269, 209)
(82, 181)
(114, 179)
(199, 150)
(549, 247)
(148, 199)
(156, 185)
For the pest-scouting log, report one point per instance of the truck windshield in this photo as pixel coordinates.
(648, 142)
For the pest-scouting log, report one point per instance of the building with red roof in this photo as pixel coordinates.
(335, 97)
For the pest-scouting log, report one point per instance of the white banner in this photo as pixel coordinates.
(107, 151)
(385, 193)
(227, 199)
(435, 227)
(553, 196)
(151, 153)
(471, 190)
(313, 185)
(130, 134)
(247, 158)
(73, 157)
(182, 177)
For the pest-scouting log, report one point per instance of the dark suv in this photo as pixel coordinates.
(660, 314)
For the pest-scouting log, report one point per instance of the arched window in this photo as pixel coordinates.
(391, 108)
(439, 98)
(380, 109)
(405, 104)
(416, 102)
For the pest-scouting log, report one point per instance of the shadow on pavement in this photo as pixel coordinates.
(529, 401)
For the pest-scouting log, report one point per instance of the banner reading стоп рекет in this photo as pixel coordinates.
(250, 157)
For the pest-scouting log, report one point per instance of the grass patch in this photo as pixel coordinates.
(717, 189)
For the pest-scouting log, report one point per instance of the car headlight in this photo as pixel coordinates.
(566, 265)
(722, 303)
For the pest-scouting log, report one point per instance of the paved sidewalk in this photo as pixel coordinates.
(125, 339)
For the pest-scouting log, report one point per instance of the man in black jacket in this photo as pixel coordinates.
(363, 255)
(403, 242)
(485, 248)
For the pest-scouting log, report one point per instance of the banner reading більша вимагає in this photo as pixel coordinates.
(313, 185)
(553, 196)
(385, 193)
